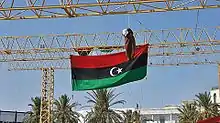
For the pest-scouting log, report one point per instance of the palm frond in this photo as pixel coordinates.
(63, 111)
(102, 100)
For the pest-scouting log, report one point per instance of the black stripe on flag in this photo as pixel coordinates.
(100, 73)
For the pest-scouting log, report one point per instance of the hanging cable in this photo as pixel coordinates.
(197, 22)
(128, 16)
(129, 26)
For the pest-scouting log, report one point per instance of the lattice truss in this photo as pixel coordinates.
(167, 47)
(32, 9)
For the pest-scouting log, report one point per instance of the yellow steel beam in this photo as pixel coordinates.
(96, 8)
(151, 46)
(167, 47)
(79, 5)
(151, 54)
(47, 95)
(168, 54)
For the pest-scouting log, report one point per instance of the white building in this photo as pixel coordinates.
(215, 95)
(168, 114)
(160, 115)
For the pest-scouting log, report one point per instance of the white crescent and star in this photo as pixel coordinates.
(119, 70)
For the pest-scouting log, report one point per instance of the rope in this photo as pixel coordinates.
(129, 26)
(197, 21)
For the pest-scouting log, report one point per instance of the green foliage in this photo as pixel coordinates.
(34, 115)
(201, 109)
(131, 116)
(207, 107)
(63, 111)
(188, 113)
(102, 101)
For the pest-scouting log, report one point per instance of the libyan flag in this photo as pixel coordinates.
(104, 71)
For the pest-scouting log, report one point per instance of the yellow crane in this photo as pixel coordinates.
(35, 9)
(47, 53)
(167, 47)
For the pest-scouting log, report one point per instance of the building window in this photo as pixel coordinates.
(162, 119)
(214, 97)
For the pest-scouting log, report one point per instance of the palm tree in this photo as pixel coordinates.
(128, 116)
(131, 117)
(102, 101)
(63, 111)
(188, 113)
(137, 117)
(208, 109)
(34, 115)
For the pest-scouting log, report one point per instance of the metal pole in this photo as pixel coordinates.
(0, 115)
(51, 94)
(16, 115)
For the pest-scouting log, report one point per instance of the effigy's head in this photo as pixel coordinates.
(124, 32)
(127, 32)
(130, 31)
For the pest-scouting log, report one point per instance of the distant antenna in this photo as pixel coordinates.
(137, 106)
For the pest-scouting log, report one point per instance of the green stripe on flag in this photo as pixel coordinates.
(129, 76)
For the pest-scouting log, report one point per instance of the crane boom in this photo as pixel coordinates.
(167, 47)
(29, 9)
(180, 46)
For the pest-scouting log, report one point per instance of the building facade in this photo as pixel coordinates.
(215, 95)
(153, 115)
(160, 115)
(168, 114)
(11, 116)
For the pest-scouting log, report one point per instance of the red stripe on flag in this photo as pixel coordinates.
(210, 120)
(104, 60)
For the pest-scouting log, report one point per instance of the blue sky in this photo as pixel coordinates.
(164, 85)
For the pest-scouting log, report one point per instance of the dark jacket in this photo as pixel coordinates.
(130, 45)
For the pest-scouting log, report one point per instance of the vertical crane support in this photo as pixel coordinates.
(47, 94)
